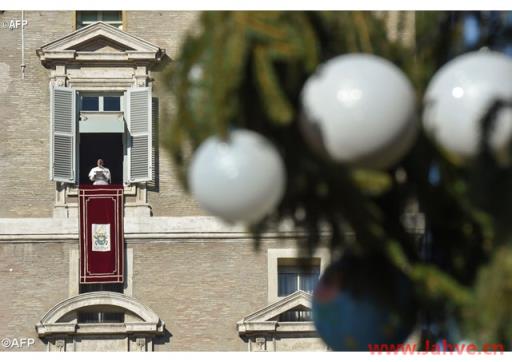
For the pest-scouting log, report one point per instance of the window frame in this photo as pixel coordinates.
(273, 256)
(100, 13)
(128, 135)
(60, 330)
(300, 270)
(101, 100)
(122, 104)
(99, 317)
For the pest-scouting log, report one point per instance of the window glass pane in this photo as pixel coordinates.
(100, 317)
(113, 317)
(308, 281)
(88, 317)
(111, 103)
(292, 278)
(84, 18)
(90, 103)
(286, 284)
(111, 16)
(88, 15)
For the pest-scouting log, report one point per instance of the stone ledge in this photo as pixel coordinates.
(187, 228)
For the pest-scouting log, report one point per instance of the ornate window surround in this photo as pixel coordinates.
(100, 58)
(262, 330)
(273, 256)
(61, 331)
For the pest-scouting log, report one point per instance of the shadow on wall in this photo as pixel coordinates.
(162, 339)
(154, 184)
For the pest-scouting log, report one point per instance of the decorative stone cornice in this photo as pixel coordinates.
(183, 229)
(50, 323)
(264, 320)
(186, 228)
(99, 43)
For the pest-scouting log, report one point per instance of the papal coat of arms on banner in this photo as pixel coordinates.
(100, 237)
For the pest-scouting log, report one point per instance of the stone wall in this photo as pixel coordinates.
(33, 278)
(25, 188)
(167, 29)
(200, 288)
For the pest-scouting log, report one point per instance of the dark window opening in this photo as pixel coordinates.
(100, 317)
(109, 287)
(296, 315)
(108, 147)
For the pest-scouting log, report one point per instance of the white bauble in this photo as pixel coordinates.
(460, 94)
(360, 110)
(241, 179)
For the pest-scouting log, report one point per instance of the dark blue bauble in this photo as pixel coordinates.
(471, 31)
(349, 321)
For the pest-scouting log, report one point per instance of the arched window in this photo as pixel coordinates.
(127, 325)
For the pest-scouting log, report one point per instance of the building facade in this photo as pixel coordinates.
(76, 86)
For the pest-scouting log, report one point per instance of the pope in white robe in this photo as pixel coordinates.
(100, 175)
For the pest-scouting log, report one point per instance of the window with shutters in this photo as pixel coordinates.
(140, 127)
(102, 134)
(64, 119)
(113, 126)
(101, 103)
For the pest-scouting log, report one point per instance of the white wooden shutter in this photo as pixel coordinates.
(63, 116)
(139, 125)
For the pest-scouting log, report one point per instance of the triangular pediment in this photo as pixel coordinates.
(297, 300)
(99, 31)
(99, 42)
(265, 327)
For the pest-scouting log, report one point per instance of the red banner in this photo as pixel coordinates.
(101, 234)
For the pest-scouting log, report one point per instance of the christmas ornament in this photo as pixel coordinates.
(471, 30)
(241, 178)
(359, 109)
(357, 305)
(458, 97)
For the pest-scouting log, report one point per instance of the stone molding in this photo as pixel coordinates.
(70, 48)
(49, 324)
(261, 320)
(100, 58)
(61, 331)
(262, 330)
(187, 228)
(123, 301)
